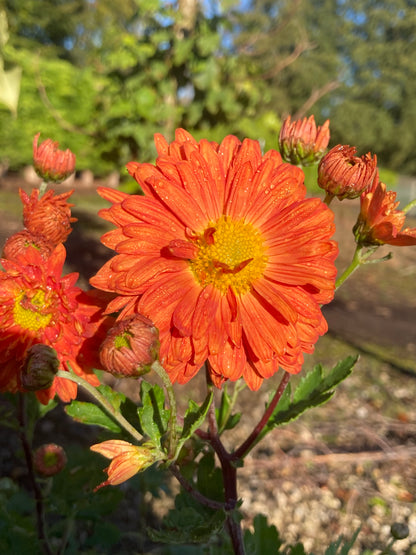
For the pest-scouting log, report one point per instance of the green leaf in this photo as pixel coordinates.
(345, 547)
(209, 478)
(188, 522)
(115, 398)
(194, 417)
(225, 420)
(314, 389)
(153, 415)
(264, 539)
(91, 414)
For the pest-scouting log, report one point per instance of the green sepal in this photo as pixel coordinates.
(88, 413)
(153, 416)
(315, 389)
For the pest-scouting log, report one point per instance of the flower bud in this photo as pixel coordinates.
(18, 243)
(49, 459)
(39, 369)
(126, 459)
(301, 142)
(344, 175)
(131, 346)
(48, 216)
(52, 164)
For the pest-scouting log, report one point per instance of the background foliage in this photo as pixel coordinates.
(102, 77)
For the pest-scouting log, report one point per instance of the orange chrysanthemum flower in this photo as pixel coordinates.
(38, 305)
(225, 255)
(380, 222)
(49, 215)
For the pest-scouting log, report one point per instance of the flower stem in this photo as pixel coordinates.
(355, 263)
(409, 206)
(172, 426)
(253, 438)
(99, 397)
(359, 259)
(187, 486)
(40, 509)
(328, 198)
(229, 474)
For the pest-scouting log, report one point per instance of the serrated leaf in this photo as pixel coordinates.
(91, 414)
(315, 389)
(153, 415)
(188, 522)
(264, 539)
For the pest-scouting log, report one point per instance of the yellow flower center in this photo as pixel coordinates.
(30, 310)
(230, 254)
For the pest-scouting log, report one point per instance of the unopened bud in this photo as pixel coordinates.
(39, 369)
(18, 243)
(343, 174)
(49, 459)
(49, 215)
(301, 142)
(52, 164)
(131, 346)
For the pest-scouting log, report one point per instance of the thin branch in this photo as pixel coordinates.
(40, 510)
(187, 486)
(314, 97)
(252, 438)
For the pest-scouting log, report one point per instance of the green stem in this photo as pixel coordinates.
(42, 188)
(355, 263)
(358, 260)
(172, 426)
(409, 206)
(93, 391)
(328, 198)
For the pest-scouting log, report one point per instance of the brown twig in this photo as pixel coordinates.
(40, 511)
(314, 97)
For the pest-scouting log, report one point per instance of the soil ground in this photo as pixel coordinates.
(349, 463)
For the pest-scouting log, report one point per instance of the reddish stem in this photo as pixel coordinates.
(35, 486)
(252, 438)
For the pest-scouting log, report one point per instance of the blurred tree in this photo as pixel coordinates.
(152, 66)
(376, 108)
(108, 75)
(293, 48)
